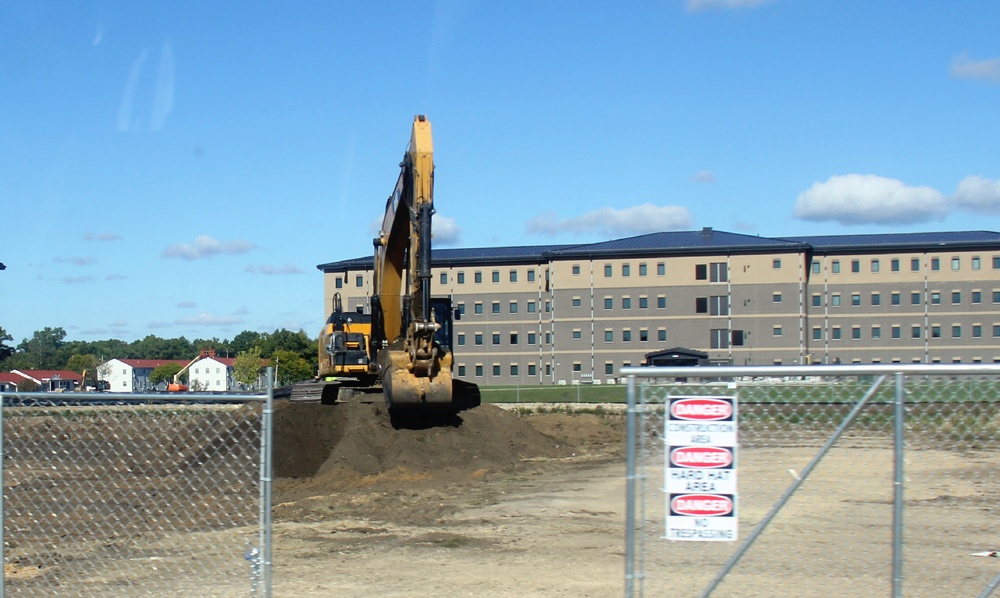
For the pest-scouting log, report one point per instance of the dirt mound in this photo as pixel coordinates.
(358, 443)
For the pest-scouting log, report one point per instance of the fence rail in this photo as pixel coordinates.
(869, 477)
(135, 494)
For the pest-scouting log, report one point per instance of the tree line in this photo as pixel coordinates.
(294, 353)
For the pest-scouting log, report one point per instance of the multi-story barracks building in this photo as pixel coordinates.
(564, 314)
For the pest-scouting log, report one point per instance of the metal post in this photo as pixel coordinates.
(897, 495)
(630, 427)
(265, 483)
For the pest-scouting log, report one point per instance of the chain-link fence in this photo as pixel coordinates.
(846, 481)
(135, 495)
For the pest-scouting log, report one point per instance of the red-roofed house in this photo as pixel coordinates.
(50, 380)
(9, 382)
(132, 375)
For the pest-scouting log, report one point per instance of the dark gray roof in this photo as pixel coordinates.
(901, 241)
(705, 241)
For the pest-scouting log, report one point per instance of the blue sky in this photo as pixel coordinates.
(181, 168)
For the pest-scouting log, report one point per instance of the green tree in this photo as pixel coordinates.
(245, 341)
(5, 350)
(246, 367)
(82, 362)
(286, 340)
(154, 347)
(166, 373)
(44, 350)
(290, 367)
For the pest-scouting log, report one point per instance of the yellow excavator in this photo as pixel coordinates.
(404, 344)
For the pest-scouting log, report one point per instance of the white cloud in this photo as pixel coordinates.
(204, 247)
(446, 231)
(78, 260)
(963, 67)
(704, 176)
(274, 271)
(698, 5)
(978, 194)
(206, 319)
(869, 199)
(102, 236)
(635, 220)
(78, 279)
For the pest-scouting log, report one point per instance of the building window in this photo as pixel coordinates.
(625, 270)
(915, 298)
(626, 335)
(642, 269)
(479, 338)
(835, 333)
(461, 278)
(478, 308)
(496, 370)
(513, 307)
(701, 305)
(531, 307)
(359, 281)
(701, 272)
(977, 297)
(856, 299)
(996, 262)
(532, 338)
(609, 303)
(894, 264)
(576, 366)
(815, 266)
(496, 338)
(956, 297)
(718, 272)
(496, 307)
(875, 265)
(576, 302)
(876, 299)
(996, 331)
(776, 264)
(495, 276)
(719, 305)
(643, 302)
(915, 332)
(661, 269)
(339, 282)
(776, 331)
(935, 263)
(661, 302)
(479, 371)
(576, 269)
(478, 277)
(609, 369)
(956, 331)
(532, 370)
(817, 333)
(977, 331)
(513, 338)
(661, 334)
(935, 298)
(737, 338)
(894, 298)
(577, 334)
(531, 276)
(896, 332)
(444, 278)
(607, 270)
(996, 296)
(855, 266)
(461, 339)
(976, 263)
(876, 332)
(835, 266)
(626, 303)
(609, 336)
(817, 300)
(935, 331)
(776, 298)
(856, 332)
(513, 275)
(513, 369)
(719, 338)
(643, 335)
(835, 300)
(915, 264)
(956, 263)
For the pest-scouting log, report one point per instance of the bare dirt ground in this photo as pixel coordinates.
(533, 505)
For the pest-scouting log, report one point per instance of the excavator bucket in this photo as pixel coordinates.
(405, 390)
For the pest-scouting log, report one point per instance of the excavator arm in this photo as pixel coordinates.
(414, 368)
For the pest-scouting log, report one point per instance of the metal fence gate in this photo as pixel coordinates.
(880, 480)
(136, 494)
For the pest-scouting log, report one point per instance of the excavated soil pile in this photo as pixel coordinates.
(321, 449)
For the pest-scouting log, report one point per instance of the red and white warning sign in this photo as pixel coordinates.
(700, 468)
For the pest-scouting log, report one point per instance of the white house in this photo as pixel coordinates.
(132, 375)
(212, 374)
